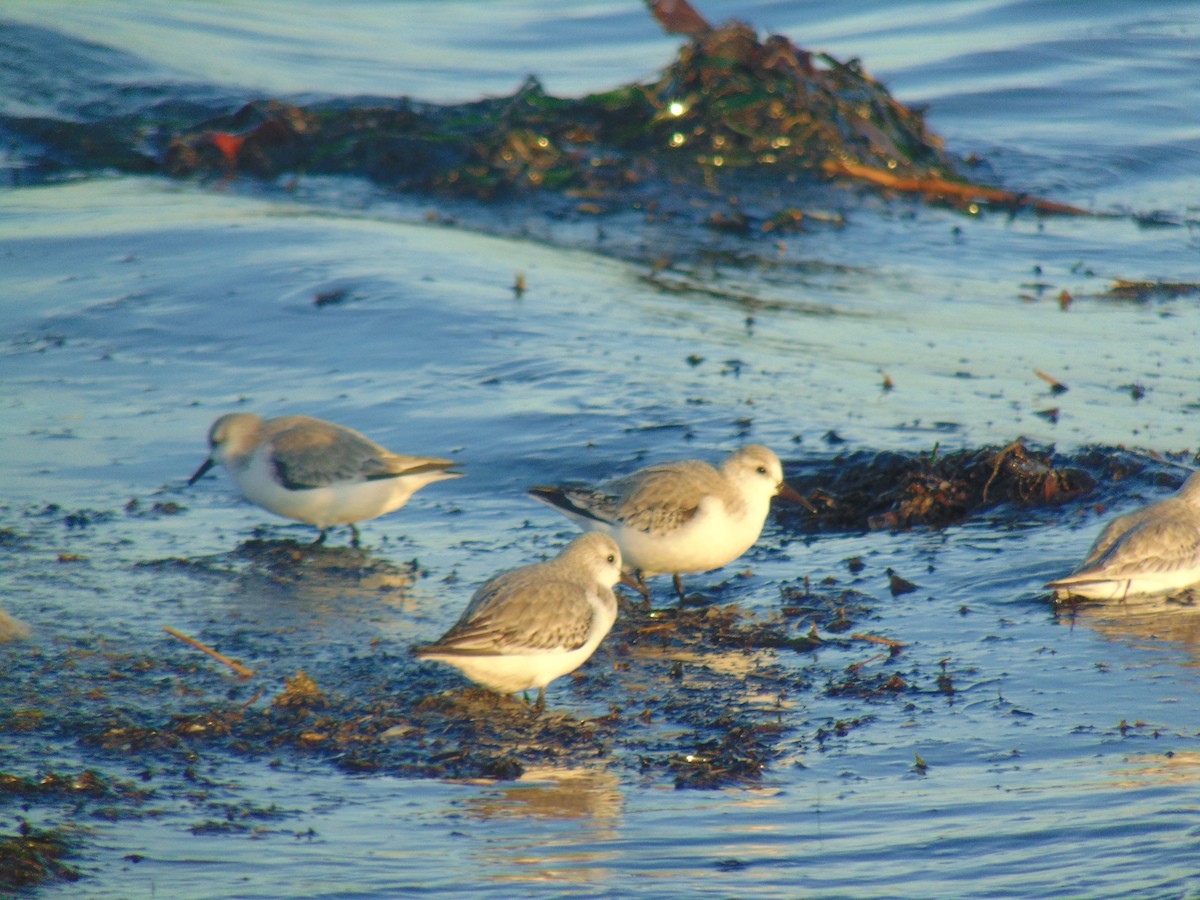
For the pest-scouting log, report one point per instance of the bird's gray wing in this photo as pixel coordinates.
(312, 454)
(657, 499)
(1111, 534)
(507, 616)
(393, 465)
(1159, 544)
(589, 502)
(662, 498)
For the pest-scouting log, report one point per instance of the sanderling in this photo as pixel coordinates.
(315, 471)
(528, 626)
(1153, 550)
(680, 516)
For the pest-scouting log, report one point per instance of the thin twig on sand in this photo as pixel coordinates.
(233, 664)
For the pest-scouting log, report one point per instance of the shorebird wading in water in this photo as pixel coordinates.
(1153, 550)
(315, 471)
(526, 627)
(681, 516)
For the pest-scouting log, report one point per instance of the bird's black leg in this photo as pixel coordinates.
(320, 539)
(679, 587)
(353, 535)
(635, 581)
(642, 588)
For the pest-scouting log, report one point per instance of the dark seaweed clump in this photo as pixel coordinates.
(728, 103)
(751, 111)
(33, 856)
(865, 491)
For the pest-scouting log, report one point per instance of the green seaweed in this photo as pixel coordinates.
(728, 102)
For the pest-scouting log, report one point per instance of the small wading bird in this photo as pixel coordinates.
(315, 471)
(526, 627)
(1154, 550)
(682, 516)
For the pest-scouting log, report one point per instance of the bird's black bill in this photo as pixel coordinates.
(204, 467)
(787, 492)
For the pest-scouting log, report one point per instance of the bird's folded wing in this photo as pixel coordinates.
(591, 503)
(524, 616)
(1156, 545)
(1112, 533)
(310, 457)
(660, 499)
(392, 465)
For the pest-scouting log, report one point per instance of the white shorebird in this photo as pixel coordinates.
(315, 471)
(1154, 550)
(526, 627)
(680, 516)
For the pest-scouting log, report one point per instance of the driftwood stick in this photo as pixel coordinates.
(935, 186)
(858, 666)
(233, 664)
(1155, 457)
(878, 640)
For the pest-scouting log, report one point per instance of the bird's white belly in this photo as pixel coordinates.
(512, 672)
(712, 539)
(336, 504)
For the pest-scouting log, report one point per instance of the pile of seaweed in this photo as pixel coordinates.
(733, 112)
(729, 102)
(868, 491)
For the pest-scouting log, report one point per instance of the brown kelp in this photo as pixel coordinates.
(734, 113)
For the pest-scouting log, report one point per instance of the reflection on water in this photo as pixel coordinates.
(317, 573)
(592, 798)
(738, 664)
(283, 581)
(567, 827)
(1140, 771)
(1150, 622)
(549, 793)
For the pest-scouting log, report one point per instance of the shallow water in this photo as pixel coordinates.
(135, 310)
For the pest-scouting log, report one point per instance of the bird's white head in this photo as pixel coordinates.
(234, 435)
(231, 438)
(597, 554)
(757, 471)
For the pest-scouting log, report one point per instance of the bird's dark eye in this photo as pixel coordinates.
(761, 470)
(611, 558)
